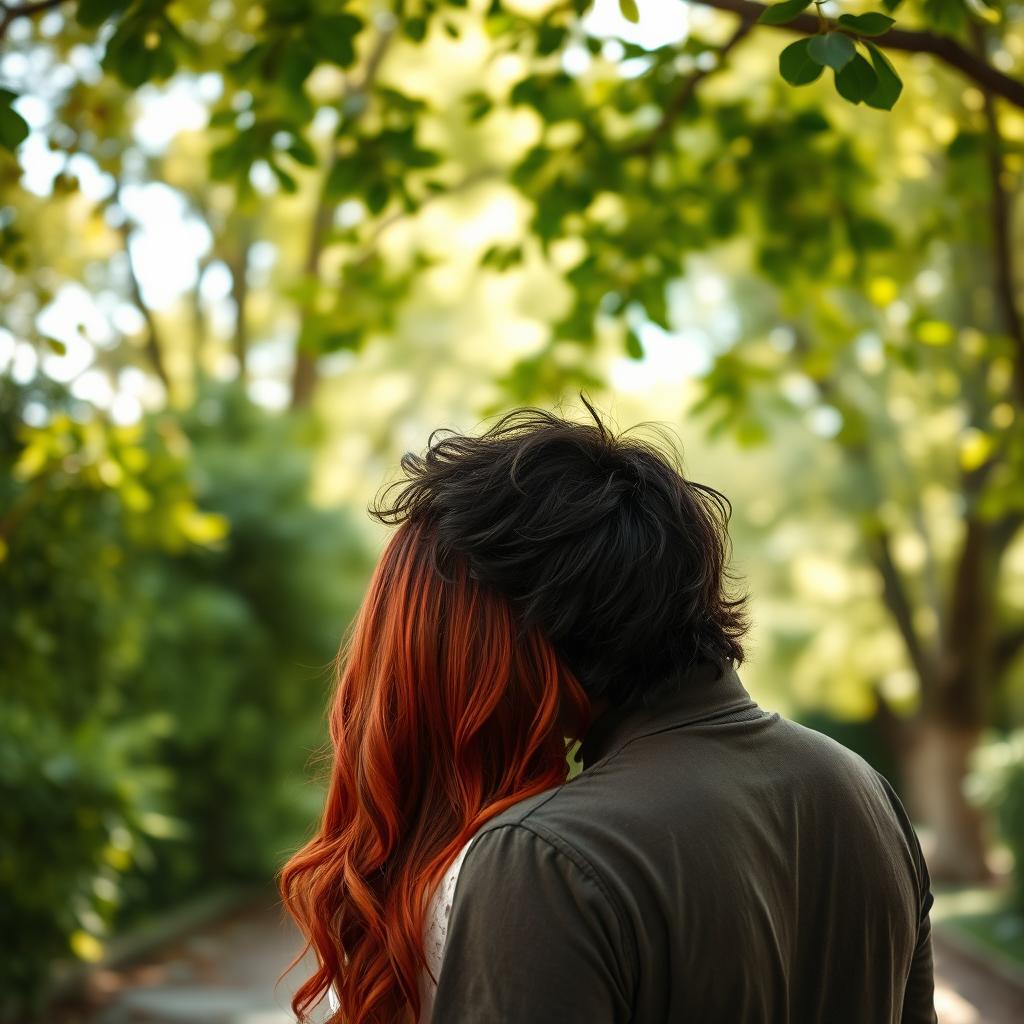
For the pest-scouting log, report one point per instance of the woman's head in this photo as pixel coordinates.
(446, 710)
(538, 569)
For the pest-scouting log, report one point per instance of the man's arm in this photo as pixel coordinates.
(533, 938)
(919, 996)
(919, 993)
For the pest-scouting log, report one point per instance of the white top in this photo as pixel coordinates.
(435, 934)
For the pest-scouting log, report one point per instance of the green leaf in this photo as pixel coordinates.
(867, 233)
(301, 152)
(223, 118)
(870, 24)
(630, 11)
(377, 195)
(249, 63)
(832, 49)
(779, 14)
(797, 66)
(811, 121)
(480, 105)
(422, 158)
(13, 127)
(226, 161)
(634, 347)
(966, 144)
(550, 38)
(296, 66)
(946, 15)
(287, 182)
(335, 341)
(857, 80)
(415, 29)
(891, 5)
(92, 13)
(344, 178)
(333, 37)
(501, 257)
(889, 86)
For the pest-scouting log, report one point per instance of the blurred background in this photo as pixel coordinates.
(252, 252)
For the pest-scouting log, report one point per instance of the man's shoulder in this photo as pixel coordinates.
(625, 799)
(525, 817)
(558, 822)
(814, 742)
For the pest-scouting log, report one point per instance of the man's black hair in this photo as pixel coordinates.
(598, 539)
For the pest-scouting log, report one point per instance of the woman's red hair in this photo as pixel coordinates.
(445, 712)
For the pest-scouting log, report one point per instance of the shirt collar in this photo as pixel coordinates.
(698, 694)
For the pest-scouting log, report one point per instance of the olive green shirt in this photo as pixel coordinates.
(713, 863)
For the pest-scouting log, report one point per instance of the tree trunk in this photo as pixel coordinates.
(935, 761)
(304, 371)
(304, 376)
(239, 267)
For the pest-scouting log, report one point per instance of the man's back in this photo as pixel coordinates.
(713, 863)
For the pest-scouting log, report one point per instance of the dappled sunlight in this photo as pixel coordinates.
(252, 254)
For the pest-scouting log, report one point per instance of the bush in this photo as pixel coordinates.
(997, 782)
(171, 600)
(76, 809)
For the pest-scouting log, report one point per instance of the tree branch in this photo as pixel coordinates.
(238, 264)
(11, 14)
(947, 50)
(894, 593)
(891, 727)
(967, 675)
(686, 92)
(154, 347)
(304, 369)
(1001, 217)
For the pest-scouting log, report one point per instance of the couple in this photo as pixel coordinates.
(712, 863)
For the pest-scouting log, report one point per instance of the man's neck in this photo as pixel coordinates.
(702, 690)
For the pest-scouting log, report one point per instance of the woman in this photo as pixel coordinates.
(446, 711)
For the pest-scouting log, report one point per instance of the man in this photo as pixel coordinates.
(713, 862)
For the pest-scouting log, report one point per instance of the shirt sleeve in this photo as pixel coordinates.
(533, 938)
(919, 991)
(919, 994)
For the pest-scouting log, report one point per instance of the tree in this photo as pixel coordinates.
(826, 210)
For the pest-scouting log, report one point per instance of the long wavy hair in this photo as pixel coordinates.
(446, 710)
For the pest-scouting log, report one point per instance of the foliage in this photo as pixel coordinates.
(144, 42)
(258, 623)
(424, 170)
(997, 782)
(81, 807)
(876, 82)
(173, 600)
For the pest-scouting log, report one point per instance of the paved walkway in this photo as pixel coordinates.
(226, 973)
(968, 993)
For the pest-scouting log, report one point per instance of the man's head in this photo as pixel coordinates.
(597, 539)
